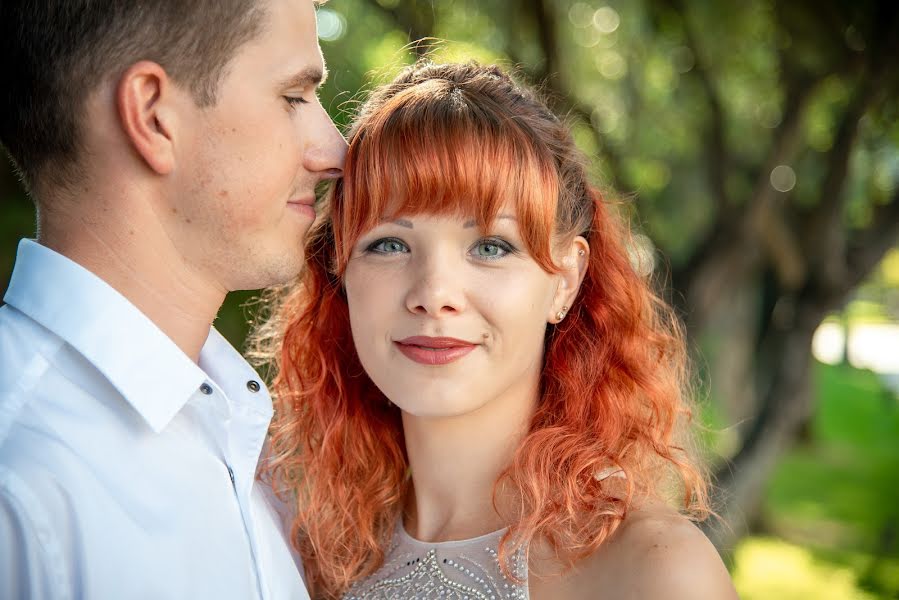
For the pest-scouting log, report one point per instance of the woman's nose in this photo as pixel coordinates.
(437, 289)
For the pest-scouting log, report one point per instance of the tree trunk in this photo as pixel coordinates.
(787, 405)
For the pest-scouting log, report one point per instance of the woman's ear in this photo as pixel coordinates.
(574, 263)
(146, 113)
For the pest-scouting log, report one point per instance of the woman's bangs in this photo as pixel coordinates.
(440, 154)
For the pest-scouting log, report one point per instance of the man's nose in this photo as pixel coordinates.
(327, 148)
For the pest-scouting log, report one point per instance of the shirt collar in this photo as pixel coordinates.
(139, 360)
(228, 369)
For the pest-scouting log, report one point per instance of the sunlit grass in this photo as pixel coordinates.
(848, 473)
(769, 569)
(833, 502)
(864, 311)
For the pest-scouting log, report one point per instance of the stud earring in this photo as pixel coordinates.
(581, 252)
(561, 314)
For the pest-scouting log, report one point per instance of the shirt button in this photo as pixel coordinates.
(253, 386)
(206, 389)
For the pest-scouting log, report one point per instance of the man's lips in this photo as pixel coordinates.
(305, 206)
(434, 350)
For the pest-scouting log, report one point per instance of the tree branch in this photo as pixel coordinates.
(866, 247)
(717, 153)
(547, 77)
(782, 248)
(824, 236)
(731, 246)
(545, 20)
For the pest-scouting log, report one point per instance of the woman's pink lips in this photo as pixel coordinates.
(434, 350)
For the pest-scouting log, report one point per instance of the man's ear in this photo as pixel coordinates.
(144, 97)
(574, 267)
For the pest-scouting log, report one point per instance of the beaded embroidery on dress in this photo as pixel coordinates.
(463, 570)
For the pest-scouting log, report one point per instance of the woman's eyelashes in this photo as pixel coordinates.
(387, 246)
(492, 248)
(489, 248)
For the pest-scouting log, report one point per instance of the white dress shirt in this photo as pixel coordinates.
(126, 469)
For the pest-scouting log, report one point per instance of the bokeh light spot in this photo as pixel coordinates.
(783, 178)
(642, 254)
(606, 20)
(611, 65)
(607, 40)
(331, 24)
(682, 58)
(886, 171)
(586, 37)
(580, 14)
(605, 119)
(768, 114)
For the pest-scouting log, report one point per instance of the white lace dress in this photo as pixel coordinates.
(458, 570)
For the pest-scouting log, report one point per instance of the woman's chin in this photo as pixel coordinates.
(437, 406)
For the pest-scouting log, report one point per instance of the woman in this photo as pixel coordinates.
(477, 395)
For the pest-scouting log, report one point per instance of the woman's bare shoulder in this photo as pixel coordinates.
(654, 553)
(659, 553)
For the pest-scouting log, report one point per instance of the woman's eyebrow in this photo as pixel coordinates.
(472, 223)
(466, 225)
(400, 222)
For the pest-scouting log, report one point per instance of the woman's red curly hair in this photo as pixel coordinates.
(467, 140)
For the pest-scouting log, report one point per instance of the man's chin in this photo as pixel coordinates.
(274, 274)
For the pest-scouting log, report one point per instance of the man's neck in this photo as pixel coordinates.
(132, 254)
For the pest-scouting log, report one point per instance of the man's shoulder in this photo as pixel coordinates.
(30, 544)
(21, 339)
(24, 350)
(34, 499)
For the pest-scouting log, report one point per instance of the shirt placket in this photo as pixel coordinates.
(246, 434)
(234, 434)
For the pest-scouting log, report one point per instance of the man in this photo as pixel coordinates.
(172, 150)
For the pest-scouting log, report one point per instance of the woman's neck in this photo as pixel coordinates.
(455, 462)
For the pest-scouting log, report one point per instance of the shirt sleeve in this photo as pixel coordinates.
(31, 564)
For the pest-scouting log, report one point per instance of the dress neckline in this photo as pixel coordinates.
(466, 569)
(407, 537)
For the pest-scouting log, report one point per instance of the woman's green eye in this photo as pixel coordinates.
(492, 249)
(388, 246)
(489, 250)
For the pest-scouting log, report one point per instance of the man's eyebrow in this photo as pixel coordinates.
(308, 77)
(472, 223)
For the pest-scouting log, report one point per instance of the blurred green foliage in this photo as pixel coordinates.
(833, 502)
